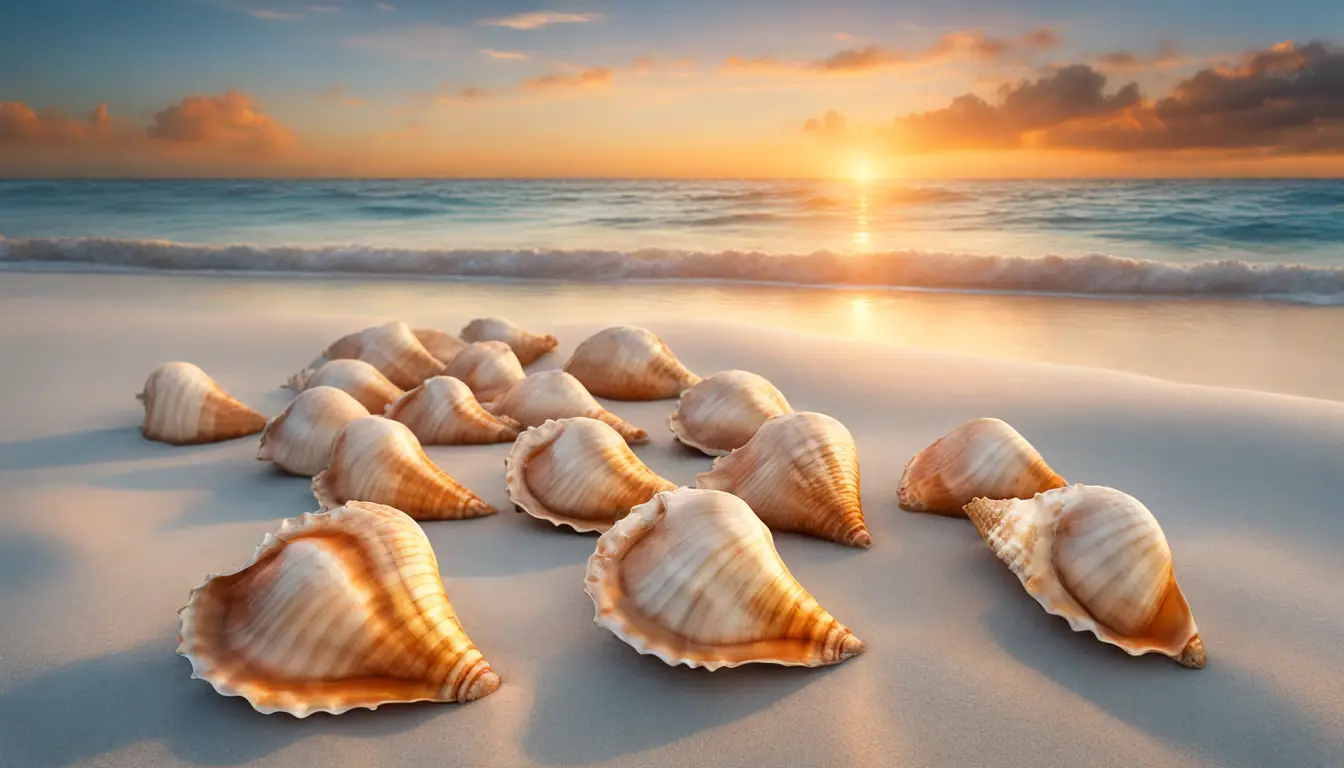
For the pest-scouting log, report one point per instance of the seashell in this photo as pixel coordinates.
(692, 577)
(625, 363)
(379, 460)
(442, 411)
(443, 346)
(799, 472)
(336, 611)
(356, 378)
(548, 395)
(1097, 557)
(299, 439)
(392, 348)
(526, 345)
(489, 368)
(981, 458)
(721, 413)
(577, 472)
(184, 406)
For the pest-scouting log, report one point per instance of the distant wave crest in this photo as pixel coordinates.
(1095, 274)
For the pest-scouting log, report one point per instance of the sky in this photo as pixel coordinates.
(693, 88)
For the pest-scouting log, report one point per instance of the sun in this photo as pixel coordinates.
(863, 171)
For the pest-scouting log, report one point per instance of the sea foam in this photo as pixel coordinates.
(1090, 275)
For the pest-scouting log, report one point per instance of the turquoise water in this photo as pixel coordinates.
(1263, 239)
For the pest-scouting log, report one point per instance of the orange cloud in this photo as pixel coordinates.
(955, 46)
(539, 19)
(588, 78)
(229, 121)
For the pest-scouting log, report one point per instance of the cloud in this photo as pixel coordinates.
(449, 94)
(221, 126)
(1165, 56)
(228, 120)
(418, 42)
(589, 78)
(22, 125)
(539, 19)
(1287, 100)
(340, 95)
(333, 9)
(274, 15)
(954, 46)
(385, 7)
(831, 125)
(970, 122)
(508, 55)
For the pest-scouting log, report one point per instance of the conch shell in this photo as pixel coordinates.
(548, 395)
(392, 348)
(692, 577)
(981, 458)
(336, 611)
(526, 345)
(489, 368)
(443, 346)
(442, 411)
(799, 472)
(184, 406)
(721, 413)
(578, 472)
(379, 460)
(299, 439)
(625, 363)
(1098, 558)
(354, 377)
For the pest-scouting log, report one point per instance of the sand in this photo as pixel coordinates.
(102, 535)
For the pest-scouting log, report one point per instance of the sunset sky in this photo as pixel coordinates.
(978, 88)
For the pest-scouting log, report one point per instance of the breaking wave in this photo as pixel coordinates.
(1097, 274)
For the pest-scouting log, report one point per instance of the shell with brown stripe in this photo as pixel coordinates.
(628, 363)
(336, 611)
(693, 577)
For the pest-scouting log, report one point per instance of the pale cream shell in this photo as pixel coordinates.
(628, 363)
(1098, 558)
(356, 378)
(379, 460)
(548, 395)
(489, 368)
(577, 472)
(981, 458)
(443, 411)
(799, 472)
(526, 345)
(392, 348)
(722, 412)
(184, 406)
(442, 345)
(336, 611)
(687, 577)
(299, 439)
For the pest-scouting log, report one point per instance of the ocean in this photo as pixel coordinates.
(1280, 240)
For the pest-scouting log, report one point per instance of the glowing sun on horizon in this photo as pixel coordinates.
(863, 171)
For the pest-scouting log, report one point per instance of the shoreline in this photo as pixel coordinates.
(1262, 346)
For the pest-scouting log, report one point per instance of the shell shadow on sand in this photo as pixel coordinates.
(89, 446)
(27, 561)
(1225, 713)
(158, 702)
(576, 702)
(228, 490)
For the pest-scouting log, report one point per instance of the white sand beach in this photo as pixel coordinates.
(104, 533)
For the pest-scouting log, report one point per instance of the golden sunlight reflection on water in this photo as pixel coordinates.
(862, 235)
